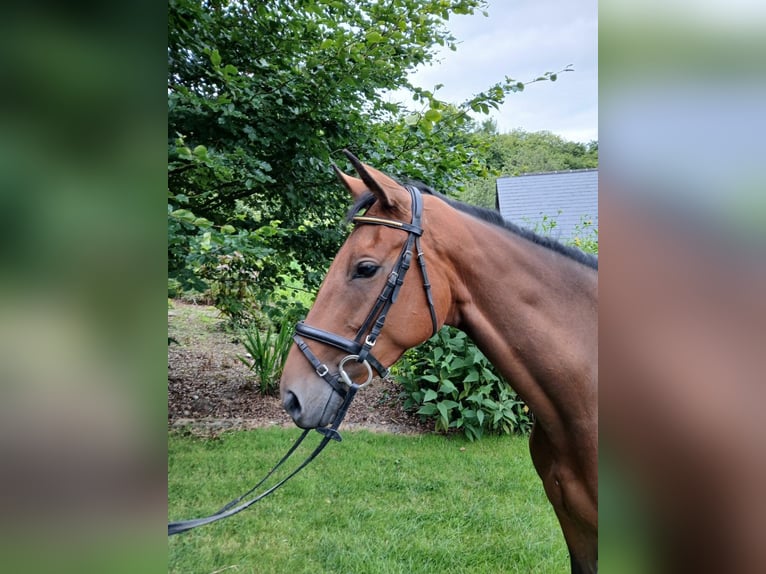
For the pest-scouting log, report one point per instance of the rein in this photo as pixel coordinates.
(359, 350)
(234, 507)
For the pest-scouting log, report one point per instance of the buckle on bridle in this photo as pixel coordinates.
(370, 341)
(322, 370)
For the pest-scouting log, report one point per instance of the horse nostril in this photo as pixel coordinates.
(292, 405)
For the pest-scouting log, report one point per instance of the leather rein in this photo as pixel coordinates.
(359, 349)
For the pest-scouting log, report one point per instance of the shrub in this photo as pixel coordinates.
(268, 352)
(232, 287)
(449, 380)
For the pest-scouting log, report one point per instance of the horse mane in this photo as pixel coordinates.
(490, 216)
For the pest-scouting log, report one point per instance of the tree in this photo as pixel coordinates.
(520, 152)
(261, 98)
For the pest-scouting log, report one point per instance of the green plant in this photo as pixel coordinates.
(586, 236)
(543, 226)
(232, 279)
(449, 380)
(268, 352)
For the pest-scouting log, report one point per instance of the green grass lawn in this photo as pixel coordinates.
(375, 503)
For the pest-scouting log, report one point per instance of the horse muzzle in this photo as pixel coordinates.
(313, 405)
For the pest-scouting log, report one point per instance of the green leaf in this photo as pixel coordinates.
(427, 410)
(228, 229)
(202, 222)
(447, 388)
(475, 398)
(184, 214)
(205, 243)
(327, 43)
(443, 411)
(430, 395)
(488, 374)
(373, 37)
(184, 152)
(433, 115)
(411, 119)
(492, 405)
(215, 58)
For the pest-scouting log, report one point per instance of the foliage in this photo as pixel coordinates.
(585, 233)
(263, 96)
(520, 152)
(449, 380)
(490, 516)
(441, 143)
(545, 225)
(586, 236)
(527, 152)
(268, 353)
(225, 261)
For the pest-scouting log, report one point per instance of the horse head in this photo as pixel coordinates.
(366, 286)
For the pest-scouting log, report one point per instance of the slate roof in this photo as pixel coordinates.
(565, 196)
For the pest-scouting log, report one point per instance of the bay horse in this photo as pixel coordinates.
(528, 302)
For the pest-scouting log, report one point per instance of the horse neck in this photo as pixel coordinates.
(532, 312)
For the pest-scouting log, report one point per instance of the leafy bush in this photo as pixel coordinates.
(449, 380)
(232, 287)
(268, 353)
(232, 267)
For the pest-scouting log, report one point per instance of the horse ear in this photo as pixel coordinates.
(389, 193)
(353, 184)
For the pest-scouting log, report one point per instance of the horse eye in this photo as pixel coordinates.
(365, 269)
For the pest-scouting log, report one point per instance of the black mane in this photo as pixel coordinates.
(493, 217)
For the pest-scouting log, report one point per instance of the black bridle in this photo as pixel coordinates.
(359, 350)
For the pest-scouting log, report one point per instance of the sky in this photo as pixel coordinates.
(524, 39)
